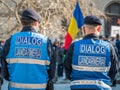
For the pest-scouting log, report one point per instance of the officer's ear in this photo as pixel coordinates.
(99, 28)
(36, 23)
(83, 30)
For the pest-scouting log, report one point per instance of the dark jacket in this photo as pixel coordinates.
(59, 55)
(118, 47)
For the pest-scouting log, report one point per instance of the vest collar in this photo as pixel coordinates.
(28, 29)
(91, 36)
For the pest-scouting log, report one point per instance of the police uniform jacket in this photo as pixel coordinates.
(25, 60)
(91, 64)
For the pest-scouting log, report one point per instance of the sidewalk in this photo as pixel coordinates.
(67, 87)
(58, 86)
(62, 85)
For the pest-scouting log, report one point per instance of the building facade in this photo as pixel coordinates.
(111, 23)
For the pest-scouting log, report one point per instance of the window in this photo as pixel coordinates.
(113, 9)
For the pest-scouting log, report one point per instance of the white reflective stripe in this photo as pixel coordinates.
(90, 82)
(28, 61)
(27, 86)
(87, 68)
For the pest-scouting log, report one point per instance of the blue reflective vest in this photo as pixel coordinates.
(91, 63)
(27, 61)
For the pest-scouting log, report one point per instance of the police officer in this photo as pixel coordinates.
(91, 63)
(26, 56)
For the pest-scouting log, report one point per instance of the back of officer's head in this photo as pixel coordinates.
(92, 24)
(117, 36)
(29, 17)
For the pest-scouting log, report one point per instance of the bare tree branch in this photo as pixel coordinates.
(14, 2)
(2, 23)
(6, 5)
(17, 10)
(56, 14)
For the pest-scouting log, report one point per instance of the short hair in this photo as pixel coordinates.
(90, 26)
(27, 22)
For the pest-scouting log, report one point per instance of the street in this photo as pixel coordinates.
(67, 87)
(59, 86)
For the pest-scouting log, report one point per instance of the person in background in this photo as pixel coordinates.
(118, 45)
(26, 55)
(113, 41)
(117, 49)
(101, 37)
(60, 60)
(1, 47)
(92, 64)
(107, 38)
(55, 49)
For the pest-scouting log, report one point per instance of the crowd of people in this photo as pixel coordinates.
(30, 61)
(115, 41)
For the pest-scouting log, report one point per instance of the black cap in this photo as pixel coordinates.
(31, 14)
(92, 20)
